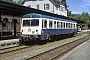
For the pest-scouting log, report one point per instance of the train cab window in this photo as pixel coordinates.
(55, 24)
(50, 24)
(33, 22)
(26, 22)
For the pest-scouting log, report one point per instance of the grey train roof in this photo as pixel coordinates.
(36, 15)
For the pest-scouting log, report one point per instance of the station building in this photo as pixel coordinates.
(53, 6)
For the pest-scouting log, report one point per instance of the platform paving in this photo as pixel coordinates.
(81, 52)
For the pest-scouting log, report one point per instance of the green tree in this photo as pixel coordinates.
(69, 13)
(19, 2)
(83, 17)
(10, 1)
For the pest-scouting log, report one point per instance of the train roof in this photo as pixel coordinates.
(36, 15)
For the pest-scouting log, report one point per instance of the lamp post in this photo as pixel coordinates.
(15, 19)
(0, 23)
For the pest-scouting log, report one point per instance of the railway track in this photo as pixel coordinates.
(5, 44)
(11, 49)
(22, 49)
(56, 53)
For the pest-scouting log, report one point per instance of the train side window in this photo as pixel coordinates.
(66, 25)
(58, 24)
(55, 24)
(63, 25)
(42, 23)
(74, 25)
(45, 23)
(50, 24)
(71, 25)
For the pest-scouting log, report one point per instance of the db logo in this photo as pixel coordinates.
(29, 30)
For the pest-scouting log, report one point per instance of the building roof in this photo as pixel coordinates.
(19, 10)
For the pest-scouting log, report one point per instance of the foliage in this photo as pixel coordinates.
(13, 1)
(9, 0)
(19, 2)
(83, 17)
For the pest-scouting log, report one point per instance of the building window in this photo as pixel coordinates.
(4, 24)
(62, 8)
(46, 6)
(38, 6)
(56, 6)
(29, 6)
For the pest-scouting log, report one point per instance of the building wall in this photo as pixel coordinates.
(7, 24)
(54, 7)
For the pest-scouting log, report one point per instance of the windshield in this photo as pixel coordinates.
(33, 22)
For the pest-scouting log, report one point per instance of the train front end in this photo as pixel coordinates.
(30, 29)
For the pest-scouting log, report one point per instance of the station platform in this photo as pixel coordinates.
(7, 38)
(82, 52)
